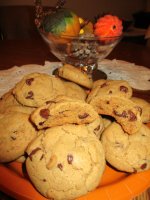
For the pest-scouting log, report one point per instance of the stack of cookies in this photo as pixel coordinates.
(66, 128)
(127, 138)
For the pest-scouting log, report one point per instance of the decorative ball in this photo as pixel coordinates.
(108, 26)
(61, 23)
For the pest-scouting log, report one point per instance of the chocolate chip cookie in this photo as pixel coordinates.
(7, 100)
(119, 88)
(75, 75)
(145, 108)
(16, 132)
(75, 91)
(63, 110)
(66, 162)
(36, 89)
(129, 153)
(122, 109)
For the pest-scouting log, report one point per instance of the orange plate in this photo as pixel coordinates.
(114, 185)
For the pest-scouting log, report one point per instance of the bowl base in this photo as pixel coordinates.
(98, 74)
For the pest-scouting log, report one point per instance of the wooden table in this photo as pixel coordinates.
(20, 52)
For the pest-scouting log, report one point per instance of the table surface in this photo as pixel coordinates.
(35, 51)
(20, 52)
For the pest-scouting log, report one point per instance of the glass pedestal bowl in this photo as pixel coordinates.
(83, 51)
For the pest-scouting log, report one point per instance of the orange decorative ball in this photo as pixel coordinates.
(108, 26)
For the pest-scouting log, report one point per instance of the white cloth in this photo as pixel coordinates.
(137, 76)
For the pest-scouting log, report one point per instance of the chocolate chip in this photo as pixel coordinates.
(48, 102)
(29, 81)
(41, 123)
(103, 85)
(132, 116)
(69, 158)
(85, 115)
(60, 166)
(123, 114)
(13, 138)
(143, 166)
(33, 152)
(110, 92)
(44, 180)
(30, 95)
(123, 89)
(143, 135)
(97, 128)
(44, 113)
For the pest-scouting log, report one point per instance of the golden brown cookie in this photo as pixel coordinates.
(122, 109)
(75, 75)
(63, 110)
(7, 100)
(19, 108)
(145, 108)
(129, 153)
(8, 103)
(102, 87)
(36, 89)
(16, 132)
(66, 162)
(75, 91)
